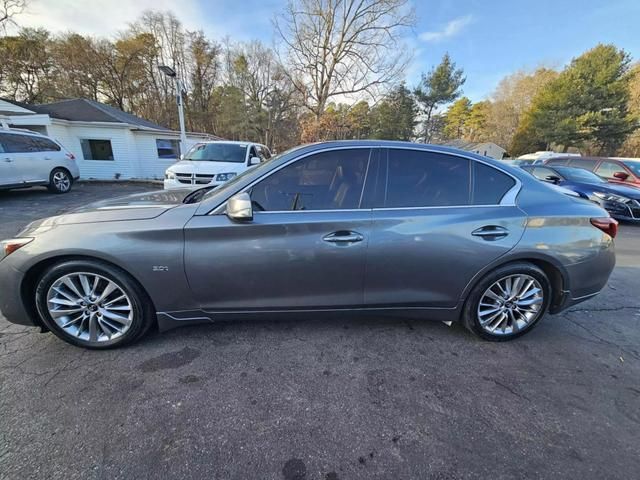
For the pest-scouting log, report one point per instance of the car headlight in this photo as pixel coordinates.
(169, 176)
(223, 177)
(611, 197)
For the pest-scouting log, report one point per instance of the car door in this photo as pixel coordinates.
(41, 159)
(8, 175)
(304, 248)
(439, 220)
(24, 153)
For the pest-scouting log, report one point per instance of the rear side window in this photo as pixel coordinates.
(489, 184)
(330, 180)
(583, 163)
(426, 179)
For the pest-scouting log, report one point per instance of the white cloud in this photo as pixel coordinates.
(451, 29)
(101, 17)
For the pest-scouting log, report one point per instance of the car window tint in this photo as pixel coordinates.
(325, 181)
(607, 169)
(557, 161)
(14, 143)
(426, 179)
(542, 173)
(583, 163)
(490, 184)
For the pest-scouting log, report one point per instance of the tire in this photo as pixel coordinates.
(516, 315)
(60, 181)
(100, 321)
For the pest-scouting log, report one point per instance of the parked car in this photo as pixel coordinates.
(213, 163)
(620, 201)
(538, 158)
(625, 171)
(29, 159)
(373, 227)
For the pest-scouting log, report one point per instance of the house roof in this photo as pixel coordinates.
(469, 146)
(84, 110)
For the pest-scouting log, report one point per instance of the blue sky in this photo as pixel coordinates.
(488, 39)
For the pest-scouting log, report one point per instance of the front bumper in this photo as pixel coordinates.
(11, 300)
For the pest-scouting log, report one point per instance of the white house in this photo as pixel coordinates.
(107, 142)
(488, 149)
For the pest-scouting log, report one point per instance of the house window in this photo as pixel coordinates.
(169, 149)
(96, 149)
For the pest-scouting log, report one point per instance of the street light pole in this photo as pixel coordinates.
(171, 73)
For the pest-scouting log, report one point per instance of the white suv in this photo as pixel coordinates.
(28, 159)
(213, 163)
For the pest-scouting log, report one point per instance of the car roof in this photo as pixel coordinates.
(23, 131)
(232, 142)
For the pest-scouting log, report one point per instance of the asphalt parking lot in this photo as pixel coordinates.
(326, 399)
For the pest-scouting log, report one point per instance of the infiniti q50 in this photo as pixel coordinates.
(380, 228)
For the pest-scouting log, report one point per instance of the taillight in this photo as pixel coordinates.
(607, 224)
(70, 156)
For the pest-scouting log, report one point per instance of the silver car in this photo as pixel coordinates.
(381, 228)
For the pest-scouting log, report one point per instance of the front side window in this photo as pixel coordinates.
(426, 179)
(168, 149)
(217, 152)
(542, 173)
(96, 149)
(324, 181)
(489, 184)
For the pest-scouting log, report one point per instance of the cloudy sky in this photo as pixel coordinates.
(488, 38)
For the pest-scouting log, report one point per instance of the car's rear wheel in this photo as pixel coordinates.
(60, 181)
(508, 302)
(92, 304)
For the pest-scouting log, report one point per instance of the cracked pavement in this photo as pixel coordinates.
(326, 399)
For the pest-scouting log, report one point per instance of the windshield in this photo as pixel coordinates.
(579, 175)
(217, 152)
(633, 165)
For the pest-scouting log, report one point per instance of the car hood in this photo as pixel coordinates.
(629, 192)
(139, 206)
(206, 168)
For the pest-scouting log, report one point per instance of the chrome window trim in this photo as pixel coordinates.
(508, 200)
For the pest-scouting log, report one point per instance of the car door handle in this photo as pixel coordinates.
(343, 236)
(7, 160)
(490, 232)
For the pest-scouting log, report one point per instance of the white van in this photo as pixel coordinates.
(28, 159)
(213, 163)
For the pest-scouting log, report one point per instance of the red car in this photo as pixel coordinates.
(625, 171)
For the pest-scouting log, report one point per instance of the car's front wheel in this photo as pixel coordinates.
(60, 181)
(92, 304)
(508, 302)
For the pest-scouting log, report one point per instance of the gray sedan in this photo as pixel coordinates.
(380, 228)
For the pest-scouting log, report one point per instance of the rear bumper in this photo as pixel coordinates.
(586, 279)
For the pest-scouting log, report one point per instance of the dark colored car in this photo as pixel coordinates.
(622, 202)
(360, 227)
(625, 171)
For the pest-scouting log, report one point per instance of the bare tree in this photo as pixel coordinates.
(343, 47)
(8, 10)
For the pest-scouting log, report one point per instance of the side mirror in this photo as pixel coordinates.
(239, 208)
(621, 175)
(254, 161)
(553, 179)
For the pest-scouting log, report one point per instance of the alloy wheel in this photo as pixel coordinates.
(510, 304)
(90, 307)
(61, 181)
